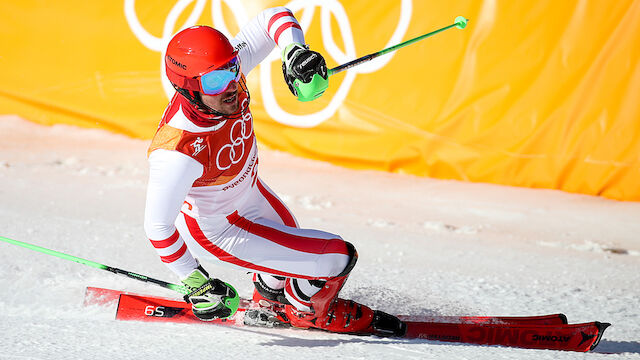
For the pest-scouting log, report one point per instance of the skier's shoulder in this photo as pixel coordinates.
(178, 140)
(178, 132)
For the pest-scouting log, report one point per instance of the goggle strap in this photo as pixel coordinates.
(192, 84)
(182, 81)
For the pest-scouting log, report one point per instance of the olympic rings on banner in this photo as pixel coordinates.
(328, 9)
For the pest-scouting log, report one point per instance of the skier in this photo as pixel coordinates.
(205, 198)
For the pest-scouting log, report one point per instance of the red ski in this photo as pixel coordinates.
(554, 319)
(534, 332)
(571, 337)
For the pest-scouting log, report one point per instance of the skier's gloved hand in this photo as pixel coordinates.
(305, 72)
(210, 298)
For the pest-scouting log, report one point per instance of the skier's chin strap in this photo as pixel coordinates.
(322, 300)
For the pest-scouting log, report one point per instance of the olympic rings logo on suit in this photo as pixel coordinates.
(328, 9)
(236, 148)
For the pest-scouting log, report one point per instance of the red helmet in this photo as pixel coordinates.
(193, 52)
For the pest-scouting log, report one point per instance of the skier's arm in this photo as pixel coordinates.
(305, 71)
(171, 175)
(273, 26)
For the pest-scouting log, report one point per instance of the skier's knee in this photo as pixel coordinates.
(339, 265)
(336, 261)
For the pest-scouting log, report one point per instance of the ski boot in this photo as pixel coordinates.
(344, 316)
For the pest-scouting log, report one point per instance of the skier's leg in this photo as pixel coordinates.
(266, 247)
(321, 307)
(310, 299)
(311, 257)
(317, 295)
(315, 263)
(266, 204)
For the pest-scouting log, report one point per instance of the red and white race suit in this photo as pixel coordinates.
(205, 198)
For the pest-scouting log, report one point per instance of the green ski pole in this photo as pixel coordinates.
(317, 85)
(460, 22)
(178, 288)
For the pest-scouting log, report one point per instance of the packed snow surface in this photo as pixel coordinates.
(426, 247)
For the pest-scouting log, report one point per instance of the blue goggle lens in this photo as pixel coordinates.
(217, 81)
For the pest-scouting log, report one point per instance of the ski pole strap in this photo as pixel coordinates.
(178, 288)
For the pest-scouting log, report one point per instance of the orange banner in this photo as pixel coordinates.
(537, 94)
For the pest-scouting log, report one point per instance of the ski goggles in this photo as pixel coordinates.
(217, 81)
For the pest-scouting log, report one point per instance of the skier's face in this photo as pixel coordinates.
(225, 103)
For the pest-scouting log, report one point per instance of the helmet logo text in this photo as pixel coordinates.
(176, 63)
